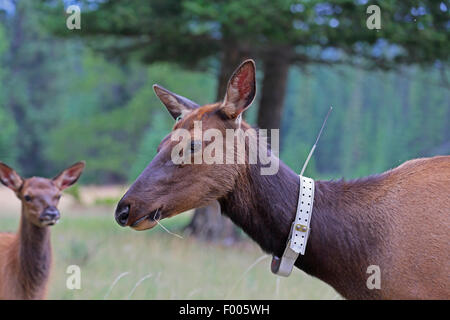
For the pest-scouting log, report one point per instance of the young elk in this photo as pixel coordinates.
(25, 257)
(398, 220)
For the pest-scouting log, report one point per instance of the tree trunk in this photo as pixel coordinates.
(275, 67)
(208, 223)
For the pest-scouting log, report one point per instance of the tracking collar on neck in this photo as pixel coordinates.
(298, 236)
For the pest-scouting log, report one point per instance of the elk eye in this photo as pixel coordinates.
(27, 198)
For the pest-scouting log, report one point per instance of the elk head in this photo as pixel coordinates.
(166, 187)
(40, 196)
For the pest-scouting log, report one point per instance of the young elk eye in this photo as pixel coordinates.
(27, 198)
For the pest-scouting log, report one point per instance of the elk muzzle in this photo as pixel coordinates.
(122, 213)
(49, 216)
(129, 214)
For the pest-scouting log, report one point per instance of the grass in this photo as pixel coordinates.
(160, 266)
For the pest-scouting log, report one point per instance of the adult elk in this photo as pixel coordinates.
(26, 257)
(398, 220)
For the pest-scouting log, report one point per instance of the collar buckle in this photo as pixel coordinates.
(299, 231)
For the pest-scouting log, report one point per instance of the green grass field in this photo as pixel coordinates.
(166, 266)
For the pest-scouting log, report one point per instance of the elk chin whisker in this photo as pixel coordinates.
(157, 217)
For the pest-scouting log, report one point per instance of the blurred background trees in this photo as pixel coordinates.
(86, 94)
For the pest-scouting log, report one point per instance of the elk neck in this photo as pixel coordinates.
(34, 255)
(345, 236)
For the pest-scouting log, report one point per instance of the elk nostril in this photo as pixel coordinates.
(50, 213)
(122, 214)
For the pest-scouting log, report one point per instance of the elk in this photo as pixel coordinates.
(398, 220)
(26, 256)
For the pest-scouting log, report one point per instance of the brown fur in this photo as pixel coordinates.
(382, 220)
(26, 257)
(398, 220)
(25, 262)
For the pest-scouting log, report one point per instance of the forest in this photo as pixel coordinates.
(62, 101)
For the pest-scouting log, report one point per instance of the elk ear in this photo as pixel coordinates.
(10, 178)
(69, 176)
(241, 90)
(177, 105)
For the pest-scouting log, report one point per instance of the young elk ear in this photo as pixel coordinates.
(10, 178)
(177, 105)
(241, 90)
(69, 176)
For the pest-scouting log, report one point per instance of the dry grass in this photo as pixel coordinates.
(159, 266)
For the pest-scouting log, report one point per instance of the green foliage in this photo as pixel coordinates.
(8, 131)
(108, 201)
(74, 191)
(61, 102)
(189, 31)
(111, 114)
(78, 252)
(379, 119)
(30, 63)
(8, 128)
(149, 143)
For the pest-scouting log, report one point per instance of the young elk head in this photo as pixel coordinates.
(166, 187)
(40, 196)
